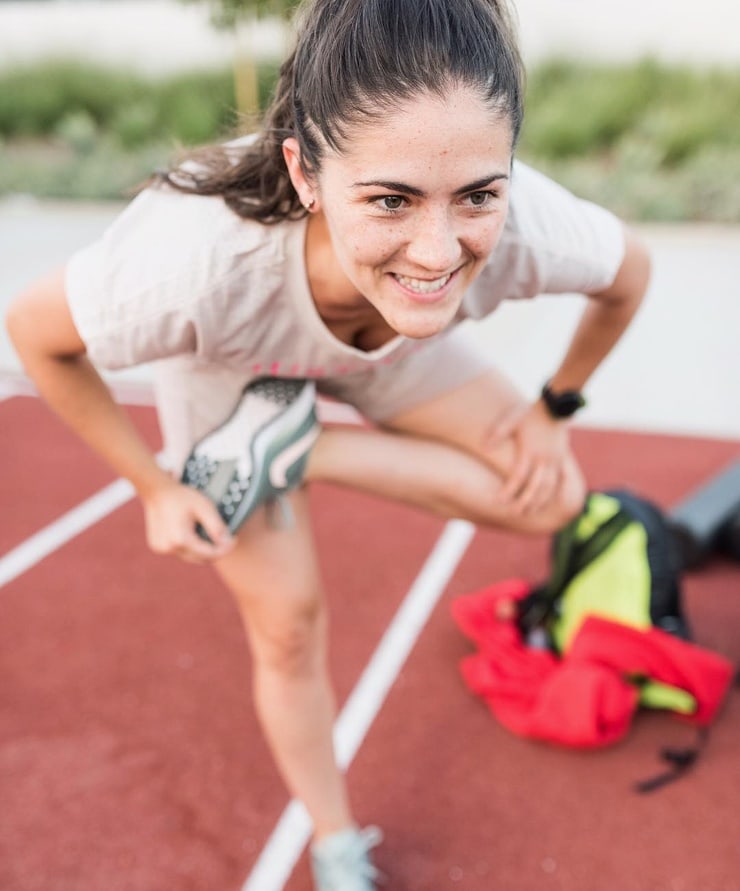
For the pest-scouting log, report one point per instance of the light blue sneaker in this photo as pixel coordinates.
(260, 452)
(341, 861)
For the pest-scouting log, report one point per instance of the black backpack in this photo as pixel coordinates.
(618, 559)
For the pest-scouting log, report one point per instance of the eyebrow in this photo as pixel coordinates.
(405, 189)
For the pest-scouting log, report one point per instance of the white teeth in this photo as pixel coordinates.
(421, 286)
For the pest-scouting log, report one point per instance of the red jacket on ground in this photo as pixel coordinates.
(586, 698)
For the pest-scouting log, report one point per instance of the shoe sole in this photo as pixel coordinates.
(278, 452)
(275, 470)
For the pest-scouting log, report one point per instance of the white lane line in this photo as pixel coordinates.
(15, 385)
(58, 533)
(127, 392)
(47, 540)
(293, 829)
(9, 390)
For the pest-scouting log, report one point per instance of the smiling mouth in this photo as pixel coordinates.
(422, 286)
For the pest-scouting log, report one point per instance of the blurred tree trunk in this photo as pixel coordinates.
(242, 17)
(246, 81)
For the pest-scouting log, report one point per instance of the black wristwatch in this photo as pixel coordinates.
(564, 404)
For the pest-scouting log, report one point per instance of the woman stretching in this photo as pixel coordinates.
(337, 250)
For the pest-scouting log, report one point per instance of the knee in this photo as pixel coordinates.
(566, 504)
(572, 498)
(291, 644)
(569, 502)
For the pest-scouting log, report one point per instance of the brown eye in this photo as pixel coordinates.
(478, 199)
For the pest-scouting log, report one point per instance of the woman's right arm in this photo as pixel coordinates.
(43, 332)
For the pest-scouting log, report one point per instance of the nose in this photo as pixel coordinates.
(434, 244)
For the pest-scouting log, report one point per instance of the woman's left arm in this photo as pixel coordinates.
(542, 441)
(607, 316)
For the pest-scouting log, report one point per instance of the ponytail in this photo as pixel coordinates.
(250, 174)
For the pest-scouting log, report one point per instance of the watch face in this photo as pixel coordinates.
(563, 405)
(568, 403)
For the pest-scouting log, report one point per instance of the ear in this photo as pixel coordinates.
(301, 183)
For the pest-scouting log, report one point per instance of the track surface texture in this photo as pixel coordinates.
(131, 760)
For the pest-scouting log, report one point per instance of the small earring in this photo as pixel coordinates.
(309, 204)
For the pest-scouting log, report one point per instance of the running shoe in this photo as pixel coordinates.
(259, 453)
(341, 861)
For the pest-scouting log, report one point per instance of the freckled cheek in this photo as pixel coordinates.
(370, 248)
(352, 243)
(482, 242)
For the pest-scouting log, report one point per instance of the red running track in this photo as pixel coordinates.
(130, 758)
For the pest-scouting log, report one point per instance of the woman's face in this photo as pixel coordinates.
(414, 205)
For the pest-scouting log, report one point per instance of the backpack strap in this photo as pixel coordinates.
(679, 761)
(569, 558)
(590, 550)
(537, 606)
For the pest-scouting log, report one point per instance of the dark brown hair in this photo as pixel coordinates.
(353, 61)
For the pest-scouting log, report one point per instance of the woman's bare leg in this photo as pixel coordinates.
(439, 457)
(274, 577)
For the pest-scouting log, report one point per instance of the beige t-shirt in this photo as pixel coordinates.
(182, 278)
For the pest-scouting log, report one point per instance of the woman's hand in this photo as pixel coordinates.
(172, 512)
(43, 331)
(541, 446)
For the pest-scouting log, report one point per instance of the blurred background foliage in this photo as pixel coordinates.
(228, 13)
(239, 16)
(649, 140)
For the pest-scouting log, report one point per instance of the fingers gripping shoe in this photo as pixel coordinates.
(260, 452)
(341, 861)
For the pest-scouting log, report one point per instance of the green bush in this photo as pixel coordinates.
(190, 107)
(133, 125)
(78, 130)
(107, 172)
(195, 107)
(35, 98)
(572, 111)
(650, 141)
(575, 110)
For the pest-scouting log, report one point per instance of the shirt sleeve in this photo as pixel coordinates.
(153, 285)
